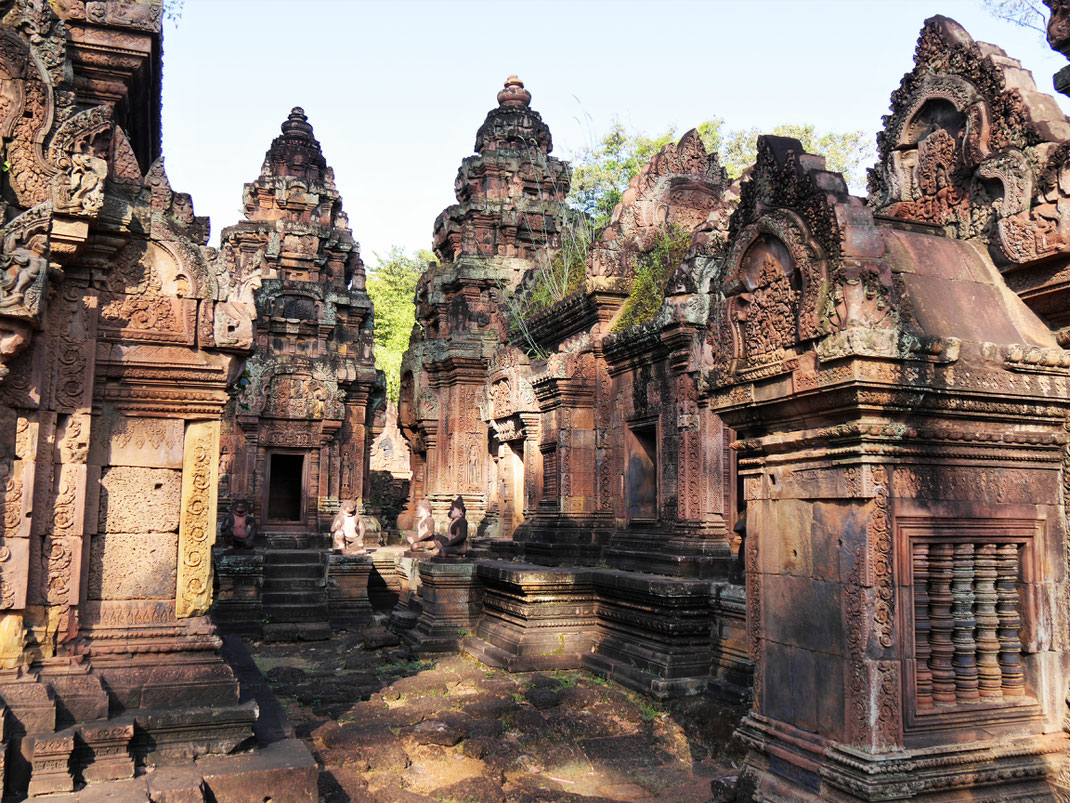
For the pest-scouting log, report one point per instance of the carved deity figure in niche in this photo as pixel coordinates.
(425, 527)
(87, 182)
(234, 316)
(25, 264)
(768, 308)
(238, 526)
(347, 530)
(455, 541)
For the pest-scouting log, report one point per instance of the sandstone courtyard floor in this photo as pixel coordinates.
(389, 729)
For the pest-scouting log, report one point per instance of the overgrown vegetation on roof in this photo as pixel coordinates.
(652, 271)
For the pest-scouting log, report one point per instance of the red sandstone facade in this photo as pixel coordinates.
(118, 345)
(878, 386)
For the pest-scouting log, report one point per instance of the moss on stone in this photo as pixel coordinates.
(652, 271)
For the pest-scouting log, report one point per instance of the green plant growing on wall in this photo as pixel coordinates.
(652, 272)
(561, 273)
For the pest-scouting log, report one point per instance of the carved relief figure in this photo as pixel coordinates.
(455, 541)
(87, 182)
(25, 264)
(234, 317)
(347, 530)
(425, 526)
(238, 527)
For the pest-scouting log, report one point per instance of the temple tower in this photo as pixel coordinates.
(509, 217)
(301, 426)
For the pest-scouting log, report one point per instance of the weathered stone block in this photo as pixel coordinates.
(284, 770)
(347, 589)
(134, 500)
(133, 566)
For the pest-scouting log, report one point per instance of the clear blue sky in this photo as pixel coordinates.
(396, 90)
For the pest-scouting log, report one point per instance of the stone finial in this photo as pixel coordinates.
(297, 124)
(513, 94)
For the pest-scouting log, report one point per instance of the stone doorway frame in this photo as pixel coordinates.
(301, 522)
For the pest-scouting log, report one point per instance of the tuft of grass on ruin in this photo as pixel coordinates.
(652, 271)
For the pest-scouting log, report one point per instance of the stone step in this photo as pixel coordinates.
(292, 557)
(296, 631)
(296, 613)
(291, 540)
(301, 570)
(286, 586)
(294, 597)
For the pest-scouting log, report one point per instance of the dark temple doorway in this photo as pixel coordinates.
(286, 488)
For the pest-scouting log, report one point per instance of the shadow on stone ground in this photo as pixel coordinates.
(389, 729)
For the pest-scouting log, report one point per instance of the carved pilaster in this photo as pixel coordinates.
(197, 525)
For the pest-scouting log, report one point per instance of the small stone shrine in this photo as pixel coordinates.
(298, 434)
(510, 213)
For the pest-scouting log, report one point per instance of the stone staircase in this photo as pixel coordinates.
(295, 595)
(291, 540)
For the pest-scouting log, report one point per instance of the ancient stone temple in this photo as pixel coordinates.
(510, 213)
(595, 447)
(901, 416)
(856, 406)
(299, 431)
(119, 338)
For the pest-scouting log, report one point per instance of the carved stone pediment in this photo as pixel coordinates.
(973, 148)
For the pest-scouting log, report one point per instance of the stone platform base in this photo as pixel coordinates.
(533, 617)
(348, 604)
(282, 771)
(784, 763)
(653, 632)
(450, 604)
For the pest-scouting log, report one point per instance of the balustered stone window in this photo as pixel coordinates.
(549, 473)
(970, 583)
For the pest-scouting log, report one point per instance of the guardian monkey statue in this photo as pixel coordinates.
(238, 526)
(347, 529)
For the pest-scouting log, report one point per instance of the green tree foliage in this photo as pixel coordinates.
(601, 173)
(392, 287)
